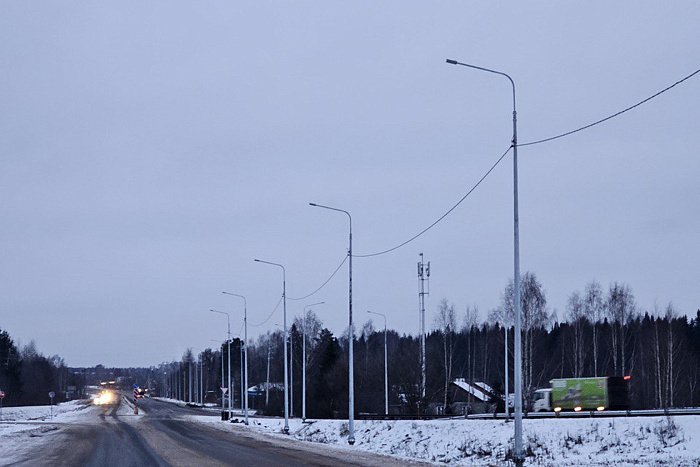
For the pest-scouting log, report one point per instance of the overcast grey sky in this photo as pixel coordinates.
(151, 150)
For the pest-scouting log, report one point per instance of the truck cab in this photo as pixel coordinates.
(542, 400)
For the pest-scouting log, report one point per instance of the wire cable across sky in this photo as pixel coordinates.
(585, 127)
(345, 258)
(270, 316)
(447, 213)
(488, 172)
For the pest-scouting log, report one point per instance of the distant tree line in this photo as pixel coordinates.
(601, 332)
(27, 376)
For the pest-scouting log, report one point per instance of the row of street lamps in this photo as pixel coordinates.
(518, 446)
(351, 391)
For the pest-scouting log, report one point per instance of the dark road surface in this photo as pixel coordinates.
(163, 436)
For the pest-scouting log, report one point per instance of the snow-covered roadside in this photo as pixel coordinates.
(207, 406)
(610, 441)
(22, 429)
(38, 417)
(61, 412)
(171, 401)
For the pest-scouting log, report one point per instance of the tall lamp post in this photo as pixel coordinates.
(386, 367)
(199, 381)
(303, 360)
(222, 371)
(245, 350)
(351, 333)
(284, 308)
(518, 441)
(230, 388)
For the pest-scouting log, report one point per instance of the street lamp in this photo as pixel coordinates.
(351, 333)
(245, 349)
(291, 373)
(230, 392)
(284, 308)
(222, 372)
(303, 361)
(518, 454)
(505, 366)
(386, 370)
(200, 357)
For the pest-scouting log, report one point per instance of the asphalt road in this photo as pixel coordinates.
(163, 436)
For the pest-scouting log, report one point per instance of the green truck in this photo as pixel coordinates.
(598, 393)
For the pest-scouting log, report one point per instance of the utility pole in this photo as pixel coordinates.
(506, 392)
(286, 367)
(423, 277)
(351, 332)
(267, 387)
(229, 387)
(244, 356)
(518, 454)
(291, 375)
(240, 347)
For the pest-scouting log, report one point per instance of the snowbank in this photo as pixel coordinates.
(38, 417)
(553, 442)
(61, 411)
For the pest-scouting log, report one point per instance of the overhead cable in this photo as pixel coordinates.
(551, 138)
(471, 190)
(270, 316)
(345, 258)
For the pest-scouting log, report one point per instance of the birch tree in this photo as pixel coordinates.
(593, 308)
(620, 307)
(533, 304)
(471, 317)
(576, 317)
(446, 322)
(672, 350)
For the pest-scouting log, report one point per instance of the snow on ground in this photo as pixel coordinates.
(35, 413)
(207, 405)
(658, 441)
(22, 428)
(172, 401)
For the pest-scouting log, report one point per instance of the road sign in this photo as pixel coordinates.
(224, 390)
(136, 386)
(52, 394)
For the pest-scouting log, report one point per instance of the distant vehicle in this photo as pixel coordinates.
(577, 394)
(107, 394)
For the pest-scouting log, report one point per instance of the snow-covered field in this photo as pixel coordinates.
(658, 441)
(38, 417)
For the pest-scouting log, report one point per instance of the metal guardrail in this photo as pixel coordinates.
(595, 414)
(404, 417)
(539, 415)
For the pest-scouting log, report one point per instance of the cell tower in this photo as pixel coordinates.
(423, 277)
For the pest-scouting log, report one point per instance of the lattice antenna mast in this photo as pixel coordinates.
(423, 277)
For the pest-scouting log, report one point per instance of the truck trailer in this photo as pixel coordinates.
(596, 393)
